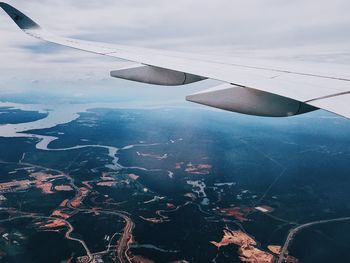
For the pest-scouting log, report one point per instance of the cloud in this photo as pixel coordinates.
(315, 29)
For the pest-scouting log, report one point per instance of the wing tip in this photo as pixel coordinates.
(22, 21)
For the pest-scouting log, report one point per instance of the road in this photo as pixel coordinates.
(295, 230)
(124, 241)
(67, 235)
(122, 246)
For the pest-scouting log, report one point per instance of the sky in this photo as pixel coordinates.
(299, 29)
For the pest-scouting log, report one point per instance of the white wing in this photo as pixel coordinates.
(258, 87)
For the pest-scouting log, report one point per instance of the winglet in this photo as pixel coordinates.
(22, 21)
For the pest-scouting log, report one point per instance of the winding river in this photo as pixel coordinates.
(57, 115)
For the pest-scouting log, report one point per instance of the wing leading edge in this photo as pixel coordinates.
(257, 83)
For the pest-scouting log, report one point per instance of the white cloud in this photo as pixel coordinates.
(313, 28)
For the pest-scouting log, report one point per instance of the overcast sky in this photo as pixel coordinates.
(311, 29)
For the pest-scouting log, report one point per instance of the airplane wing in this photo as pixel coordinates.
(250, 86)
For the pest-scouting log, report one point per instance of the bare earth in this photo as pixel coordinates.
(247, 247)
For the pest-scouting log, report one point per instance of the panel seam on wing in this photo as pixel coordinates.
(328, 96)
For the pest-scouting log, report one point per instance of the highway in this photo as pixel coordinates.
(67, 235)
(122, 246)
(123, 243)
(294, 231)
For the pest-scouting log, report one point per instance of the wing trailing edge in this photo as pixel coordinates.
(280, 89)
